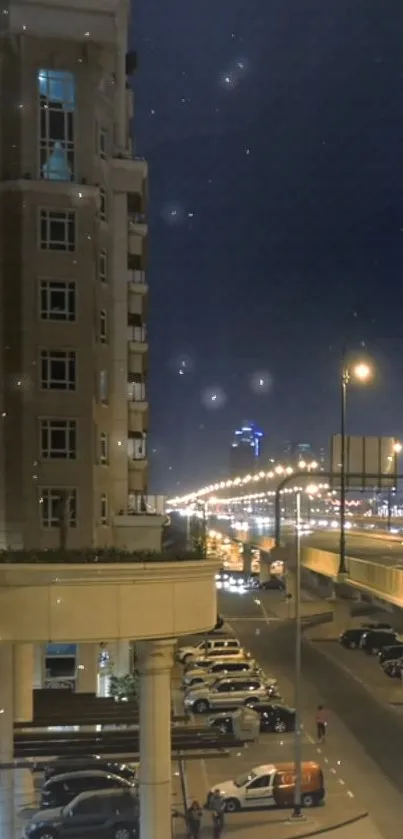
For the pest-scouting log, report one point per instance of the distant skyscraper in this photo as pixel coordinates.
(246, 450)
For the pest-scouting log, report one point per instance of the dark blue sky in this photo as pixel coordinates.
(274, 134)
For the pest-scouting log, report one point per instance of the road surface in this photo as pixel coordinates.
(366, 735)
(381, 549)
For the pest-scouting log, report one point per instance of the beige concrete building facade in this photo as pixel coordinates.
(73, 290)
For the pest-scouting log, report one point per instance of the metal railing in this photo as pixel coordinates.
(136, 392)
(143, 504)
(137, 218)
(137, 334)
(136, 277)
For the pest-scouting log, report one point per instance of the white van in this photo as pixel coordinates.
(204, 648)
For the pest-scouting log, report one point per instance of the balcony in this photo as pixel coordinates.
(139, 503)
(137, 338)
(137, 396)
(137, 281)
(137, 224)
(129, 174)
(137, 450)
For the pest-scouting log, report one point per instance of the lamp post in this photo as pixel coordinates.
(360, 372)
(297, 687)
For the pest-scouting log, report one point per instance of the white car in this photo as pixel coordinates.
(203, 661)
(230, 693)
(256, 789)
(222, 668)
(207, 646)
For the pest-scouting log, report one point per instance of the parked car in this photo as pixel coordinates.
(107, 814)
(392, 653)
(375, 640)
(63, 765)
(206, 646)
(273, 717)
(351, 638)
(270, 786)
(274, 583)
(216, 655)
(229, 693)
(61, 789)
(219, 668)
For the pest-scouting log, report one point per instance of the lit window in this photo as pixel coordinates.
(103, 267)
(58, 230)
(56, 107)
(104, 510)
(58, 506)
(102, 204)
(57, 300)
(58, 439)
(103, 327)
(103, 448)
(58, 370)
(103, 387)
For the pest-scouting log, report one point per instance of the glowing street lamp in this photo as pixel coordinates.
(361, 372)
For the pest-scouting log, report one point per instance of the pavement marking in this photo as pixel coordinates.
(340, 780)
(333, 770)
(350, 794)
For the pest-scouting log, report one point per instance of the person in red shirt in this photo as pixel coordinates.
(321, 723)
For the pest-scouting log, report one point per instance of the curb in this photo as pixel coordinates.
(318, 831)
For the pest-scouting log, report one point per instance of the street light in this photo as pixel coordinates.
(360, 372)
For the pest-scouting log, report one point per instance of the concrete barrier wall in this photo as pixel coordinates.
(323, 562)
(384, 580)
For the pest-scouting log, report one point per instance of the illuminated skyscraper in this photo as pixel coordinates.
(246, 450)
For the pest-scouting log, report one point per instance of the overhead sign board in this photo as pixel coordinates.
(371, 462)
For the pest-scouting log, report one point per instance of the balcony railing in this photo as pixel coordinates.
(137, 218)
(136, 392)
(142, 504)
(137, 448)
(137, 277)
(137, 334)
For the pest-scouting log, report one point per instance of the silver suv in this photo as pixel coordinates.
(220, 670)
(229, 693)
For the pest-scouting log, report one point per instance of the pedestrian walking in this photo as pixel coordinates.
(218, 824)
(321, 723)
(193, 820)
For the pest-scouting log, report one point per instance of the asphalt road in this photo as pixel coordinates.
(367, 735)
(383, 550)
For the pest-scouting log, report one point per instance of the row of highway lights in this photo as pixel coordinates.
(277, 472)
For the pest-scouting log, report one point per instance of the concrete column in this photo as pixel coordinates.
(121, 658)
(23, 680)
(247, 558)
(7, 810)
(87, 668)
(155, 665)
(39, 666)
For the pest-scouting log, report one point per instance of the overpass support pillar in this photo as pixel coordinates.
(87, 669)
(341, 615)
(23, 681)
(247, 558)
(155, 660)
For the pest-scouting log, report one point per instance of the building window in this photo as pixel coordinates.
(104, 510)
(103, 327)
(102, 143)
(58, 370)
(58, 230)
(103, 387)
(58, 439)
(102, 204)
(56, 107)
(58, 505)
(58, 300)
(103, 448)
(103, 267)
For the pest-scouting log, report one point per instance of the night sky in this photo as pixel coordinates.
(274, 135)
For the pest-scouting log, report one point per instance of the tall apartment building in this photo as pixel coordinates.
(73, 293)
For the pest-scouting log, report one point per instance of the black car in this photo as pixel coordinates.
(63, 765)
(273, 717)
(374, 640)
(273, 584)
(391, 653)
(351, 638)
(61, 789)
